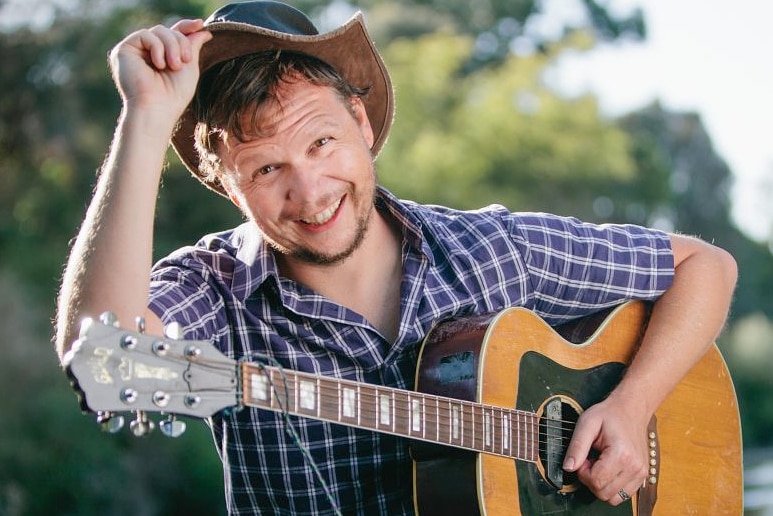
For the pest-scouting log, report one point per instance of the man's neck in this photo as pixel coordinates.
(367, 282)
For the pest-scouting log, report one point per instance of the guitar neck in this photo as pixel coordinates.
(436, 419)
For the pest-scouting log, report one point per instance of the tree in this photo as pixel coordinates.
(498, 135)
(673, 150)
(494, 25)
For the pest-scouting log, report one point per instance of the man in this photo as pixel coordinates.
(334, 275)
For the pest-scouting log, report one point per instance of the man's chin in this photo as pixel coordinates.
(313, 257)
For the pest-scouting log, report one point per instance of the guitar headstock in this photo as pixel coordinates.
(118, 370)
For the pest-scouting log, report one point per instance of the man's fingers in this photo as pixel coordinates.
(197, 40)
(192, 38)
(188, 26)
(579, 447)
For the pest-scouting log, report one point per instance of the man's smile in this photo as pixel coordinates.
(323, 216)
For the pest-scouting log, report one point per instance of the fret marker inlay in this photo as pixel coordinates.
(259, 387)
(308, 395)
(455, 421)
(415, 415)
(384, 409)
(506, 431)
(487, 429)
(349, 407)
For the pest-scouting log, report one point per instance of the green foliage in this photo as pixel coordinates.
(54, 460)
(750, 355)
(475, 125)
(498, 135)
(492, 24)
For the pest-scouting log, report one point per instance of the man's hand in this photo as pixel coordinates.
(619, 442)
(158, 68)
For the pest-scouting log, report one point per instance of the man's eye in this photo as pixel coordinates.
(263, 171)
(322, 141)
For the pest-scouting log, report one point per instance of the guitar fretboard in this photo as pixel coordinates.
(437, 419)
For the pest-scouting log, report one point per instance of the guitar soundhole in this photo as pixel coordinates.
(558, 417)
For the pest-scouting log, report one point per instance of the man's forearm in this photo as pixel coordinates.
(684, 323)
(109, 265)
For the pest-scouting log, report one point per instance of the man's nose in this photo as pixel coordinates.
(304, 185)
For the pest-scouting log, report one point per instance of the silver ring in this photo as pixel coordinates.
(625, 496)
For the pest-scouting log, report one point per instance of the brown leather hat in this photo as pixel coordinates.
(253, 26)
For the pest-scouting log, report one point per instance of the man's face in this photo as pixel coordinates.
(308, 180)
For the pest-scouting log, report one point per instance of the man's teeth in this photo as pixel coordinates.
(323, 216)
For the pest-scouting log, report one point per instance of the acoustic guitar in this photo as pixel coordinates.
(496, 400)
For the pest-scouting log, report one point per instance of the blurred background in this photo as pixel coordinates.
(649, 112)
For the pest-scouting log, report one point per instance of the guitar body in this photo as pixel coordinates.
(514, 360)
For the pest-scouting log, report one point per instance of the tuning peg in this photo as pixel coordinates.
(172, 427)
(139, 323)
(173, 330)
(86, 323)
(141, 426)
(109, 319)
(110, 422)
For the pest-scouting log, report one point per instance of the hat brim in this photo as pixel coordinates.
(349, 49)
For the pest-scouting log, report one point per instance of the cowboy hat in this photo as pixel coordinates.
(254, 26)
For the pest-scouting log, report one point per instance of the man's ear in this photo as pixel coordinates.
(361, 116)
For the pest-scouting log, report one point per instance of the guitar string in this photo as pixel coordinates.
(331, 394)
(498, 415)
(402, 412)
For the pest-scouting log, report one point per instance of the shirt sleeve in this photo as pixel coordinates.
(576, 268)
(184, 289)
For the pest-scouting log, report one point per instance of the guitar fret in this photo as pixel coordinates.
(471, 434)
(485, 425)
(436, 418)
(496, 426)
(394, 411)
(468, 428)
(358, 404)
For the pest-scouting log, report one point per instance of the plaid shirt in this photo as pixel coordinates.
(227, 289)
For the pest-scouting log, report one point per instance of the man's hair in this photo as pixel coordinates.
(232, 89)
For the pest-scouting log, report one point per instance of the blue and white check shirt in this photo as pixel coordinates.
(227, 289)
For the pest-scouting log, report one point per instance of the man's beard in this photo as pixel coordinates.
(312, 257)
